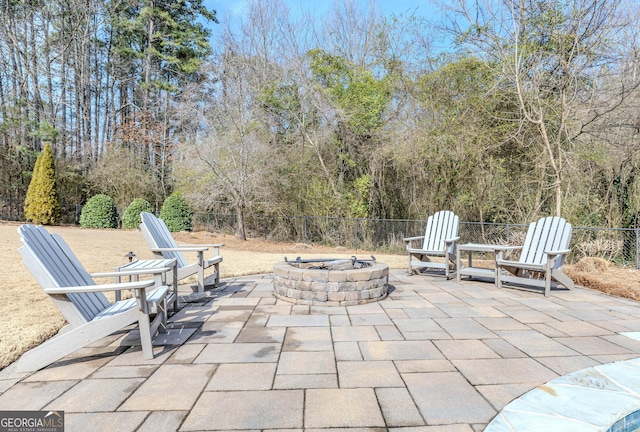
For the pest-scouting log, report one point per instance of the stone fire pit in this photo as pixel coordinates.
(330, 282)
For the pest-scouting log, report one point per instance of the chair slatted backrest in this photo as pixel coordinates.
(550, 233)
(53, 264)
(157, 234)
(441, 226)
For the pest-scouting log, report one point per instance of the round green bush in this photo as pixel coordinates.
(176, 214)
(131, 216)
(99, 212)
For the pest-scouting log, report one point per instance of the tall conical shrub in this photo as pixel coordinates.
(42, 203)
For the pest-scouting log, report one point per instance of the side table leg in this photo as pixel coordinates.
(175, 287)
(118, 293)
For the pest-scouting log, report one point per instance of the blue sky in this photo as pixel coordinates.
(237, 8)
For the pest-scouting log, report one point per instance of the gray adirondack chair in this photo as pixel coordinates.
(439, 240)
(89, 314)
(162, 244)
(541, 258)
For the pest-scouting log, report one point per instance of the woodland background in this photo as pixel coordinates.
(501, 111)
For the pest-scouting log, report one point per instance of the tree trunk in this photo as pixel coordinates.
(240, 231)
(147, 63)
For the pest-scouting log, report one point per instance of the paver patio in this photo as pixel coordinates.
(434, 356)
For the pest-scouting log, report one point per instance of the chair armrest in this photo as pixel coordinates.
(408, 239)
(452, 240)
(216, 259)
(181, 249)
(554, 256)
(198, 247)
(216, 245)
(558, 252)
(133, 272)
(100, 288)
(409, 242)
(193, 248)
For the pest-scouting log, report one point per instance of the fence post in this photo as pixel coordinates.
(304, 229)
(357, 226)
(507, 233)
(637, 243)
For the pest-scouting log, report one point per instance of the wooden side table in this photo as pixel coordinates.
(470, 270)
(158, 268)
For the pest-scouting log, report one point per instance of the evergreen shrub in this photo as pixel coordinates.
(99, 212)
(176, 213)
(42, 203)
(131, 216)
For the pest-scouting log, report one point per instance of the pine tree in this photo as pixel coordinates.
(42, 204)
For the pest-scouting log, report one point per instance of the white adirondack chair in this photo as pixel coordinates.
(543, 253)
(162, 244)
(90, 316)
(439, 240)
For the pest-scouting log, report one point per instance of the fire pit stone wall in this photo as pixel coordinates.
(330, 287)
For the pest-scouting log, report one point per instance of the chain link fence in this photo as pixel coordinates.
(13, 210)
(617, 245)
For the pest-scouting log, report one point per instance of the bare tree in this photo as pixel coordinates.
(552, 56)
(233, 153)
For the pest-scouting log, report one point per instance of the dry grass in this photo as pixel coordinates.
(601, 275)
(28, 317)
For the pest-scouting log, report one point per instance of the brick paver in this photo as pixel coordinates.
(435, 355)
(342, 408)
(447, 397)
(243, 376)
(246, 410)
